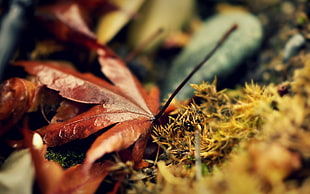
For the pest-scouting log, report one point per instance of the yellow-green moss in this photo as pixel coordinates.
(272, 132)
(224, 118)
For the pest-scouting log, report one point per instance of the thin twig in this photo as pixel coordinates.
(209, 55)
(197, 153)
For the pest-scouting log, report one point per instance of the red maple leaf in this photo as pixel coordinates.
(123, 103)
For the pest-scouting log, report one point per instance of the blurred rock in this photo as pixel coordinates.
(17, 173)
(240, 45)
(293, 45)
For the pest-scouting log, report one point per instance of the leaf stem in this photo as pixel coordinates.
(209, 55)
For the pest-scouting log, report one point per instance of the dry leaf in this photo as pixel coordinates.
(124, 104)
(17, 96)
(53, 179)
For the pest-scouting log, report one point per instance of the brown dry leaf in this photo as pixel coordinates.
(69, 22)
(111, 23)
(67, 109)
(53, 179)
(17, 96)
(124, 105)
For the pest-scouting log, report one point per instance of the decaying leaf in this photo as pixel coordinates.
(53, 179)
(159, 15)
(112, 22)
(17, 96)
(67, 109)
(124, 104)
(69, 22)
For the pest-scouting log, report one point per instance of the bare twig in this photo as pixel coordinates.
(209, 55)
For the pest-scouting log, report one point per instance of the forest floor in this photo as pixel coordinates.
(250, 133)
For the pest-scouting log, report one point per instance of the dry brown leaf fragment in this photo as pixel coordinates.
(17, 96)
(53, 179)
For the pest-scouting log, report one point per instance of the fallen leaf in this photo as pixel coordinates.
(112, 22)
(69, 20)
(52, 178)
(123, 103)
(68, 109)
(159, 15)
(17, 96)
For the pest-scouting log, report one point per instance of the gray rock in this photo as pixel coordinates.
(240, 45)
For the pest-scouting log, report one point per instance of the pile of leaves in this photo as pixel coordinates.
(115, 112)
(88, 124)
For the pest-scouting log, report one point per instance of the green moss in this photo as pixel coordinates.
(70, 154)
(66, 158)
(301, 20)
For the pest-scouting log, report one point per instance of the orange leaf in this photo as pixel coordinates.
(117, 138)
(53, 179)
(17, 96)
(68, 20)
(123, 104)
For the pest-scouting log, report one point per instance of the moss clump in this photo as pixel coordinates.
(223, 119)
(66, 158)
(69, 154)
(275, 160)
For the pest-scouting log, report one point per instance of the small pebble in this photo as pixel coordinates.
(293, 45)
